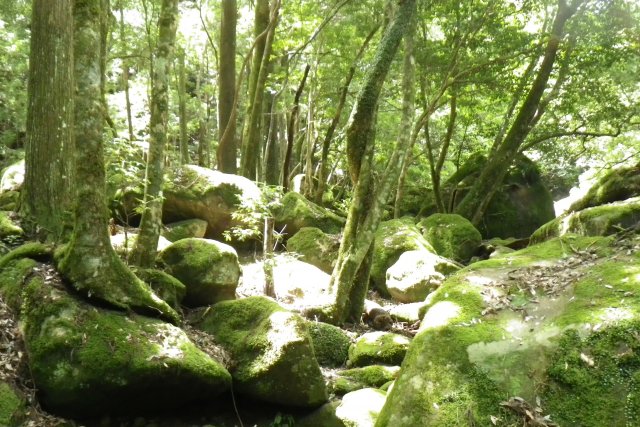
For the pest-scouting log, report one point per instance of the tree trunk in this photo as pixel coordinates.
(125, 76)
(226, 153)
(144, 252)
(89, 262)
(291, 129)
(252, 132)
(475, 202)
(47, 192)
(272, 151)
(182, 109)
(366, 209)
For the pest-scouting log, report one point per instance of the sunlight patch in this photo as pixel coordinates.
(440, 314)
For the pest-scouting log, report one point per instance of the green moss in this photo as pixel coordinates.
(595, 221)
(451, 235)
(12, 277)
(9, 201)
(271, 348)
(297, 212)
(378, 348)
(618, 184)
(393, 238)
(372, 376)
(185, 229)
(10, 405)
(594, 381)
(167, 287)
(330, 343)
(316, 247)
(209, 269)
(34, 250)
(87, 361)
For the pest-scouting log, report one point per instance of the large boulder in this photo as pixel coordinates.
(416, 274)
(619, 184)
(393, 238)
(378, 348)
(315, 247)
(600, 220)
(361, 408)
(451, 235)
(296, 212)
(272, 351)
(330, 344)
(209, 269)
(12, 177)
(88, 361)
(521, 205)
(196, 192)
(184, 229)
(544, 335)
(354, 379)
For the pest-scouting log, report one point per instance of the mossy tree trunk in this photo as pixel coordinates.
(182, 108)
(144, 252)
(47, 193)
(226, 153)
(259, 73)
(365, 212)
(475, 202)
(89, 262)
(291, 129)
(125, 75)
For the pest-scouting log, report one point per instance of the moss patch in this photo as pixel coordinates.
(167, 287)
(315, 247)
(378, 348)
(34, 250)
(12, 277)
(451, 235)
(330, 343)
(10, 405)
(618, 184)
(297, 212)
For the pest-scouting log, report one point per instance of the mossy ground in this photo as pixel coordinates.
(8, 227)
(10, 405)
(464, 363)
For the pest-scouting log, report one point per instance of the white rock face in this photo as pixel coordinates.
(360, 408)
(416, 274)
(13, 177)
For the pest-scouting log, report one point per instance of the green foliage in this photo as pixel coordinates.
(283, 420)
(251, 213)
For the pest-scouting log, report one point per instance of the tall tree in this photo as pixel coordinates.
(89, 262)
(257, 81)
(226, 153)
(475, 202)
(349, 279)
(144, 252)
(47, 196)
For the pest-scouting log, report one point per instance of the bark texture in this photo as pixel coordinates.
(89, 262)
(144, 252)
(226, 153)
(47, 192)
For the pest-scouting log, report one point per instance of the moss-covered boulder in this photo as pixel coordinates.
(408, 313)
(297, 212)
(87, 361)
(618, 184)
(11, 405)
(209, 269)
(374, 376)
(549, 329)
(315, 247)
(361, 408)
(272, 351)
(197, 192)
(13, 274)
(9, 200)
(12, 177)
(330, 344)
(123, 243)
(184, 229)
(8, 227)
(451, 235)
(324, 416)
(521, 205)
(373, 348)
(600, 220)
(165, 286)
(416, 274)
(393, 238)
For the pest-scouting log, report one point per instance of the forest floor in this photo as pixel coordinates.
(14, 368)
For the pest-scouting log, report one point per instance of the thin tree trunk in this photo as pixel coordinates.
(182, 108)
(144, 252)
(226, 153)
(47, 192)
(475, 202)
(105, 31)
(253, 136)
(272, 151)
(125, 76)
(307, 185)
(89, 262)
(267, 257)
(291, 129)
